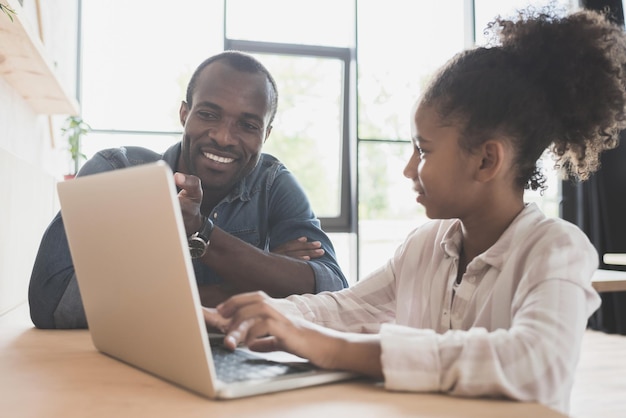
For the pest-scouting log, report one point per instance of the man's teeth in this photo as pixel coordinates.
(219, 159)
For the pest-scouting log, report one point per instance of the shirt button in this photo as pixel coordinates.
(215, 215)
(471, 279)
(445, 313)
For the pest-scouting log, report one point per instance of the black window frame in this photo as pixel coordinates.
(346, 220)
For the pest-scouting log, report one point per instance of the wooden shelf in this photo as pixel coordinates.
(25, 66)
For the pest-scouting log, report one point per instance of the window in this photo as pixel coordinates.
(314, 72)
(308, 134)
(395, 62)
(136, 61)
(348, 73)
(400, 44)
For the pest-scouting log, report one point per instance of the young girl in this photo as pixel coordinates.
(491, 297)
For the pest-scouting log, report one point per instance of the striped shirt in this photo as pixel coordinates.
(512, 329)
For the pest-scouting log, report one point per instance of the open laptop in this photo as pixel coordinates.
(134, 271)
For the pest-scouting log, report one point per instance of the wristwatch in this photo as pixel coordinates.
(199, 241)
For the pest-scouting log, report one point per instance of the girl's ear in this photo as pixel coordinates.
(492, 153)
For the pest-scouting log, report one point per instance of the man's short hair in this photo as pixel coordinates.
(240, 61)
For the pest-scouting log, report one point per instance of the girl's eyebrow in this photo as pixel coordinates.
(420, 139)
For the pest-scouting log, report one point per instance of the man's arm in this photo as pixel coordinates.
(247, 268)
(290, 217)
(53, 294)
(300, 248)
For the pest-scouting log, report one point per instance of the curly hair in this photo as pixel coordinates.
(544, 83)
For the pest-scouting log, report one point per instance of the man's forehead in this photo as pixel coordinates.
(246, 88)
(219, 72)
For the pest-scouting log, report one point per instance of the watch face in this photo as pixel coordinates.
(197, 247)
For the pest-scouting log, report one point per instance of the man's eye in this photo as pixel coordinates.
(206, 115)
(420, 151)
(249, 126)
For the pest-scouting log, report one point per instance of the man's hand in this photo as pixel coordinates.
(301, 249)
(190, 198)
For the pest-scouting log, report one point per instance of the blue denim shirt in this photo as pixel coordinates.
(266, 209)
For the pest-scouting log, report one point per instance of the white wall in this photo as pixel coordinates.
(31, 157)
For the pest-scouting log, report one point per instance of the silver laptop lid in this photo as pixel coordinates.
(136, 279)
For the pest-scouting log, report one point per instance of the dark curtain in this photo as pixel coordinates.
(598, 207)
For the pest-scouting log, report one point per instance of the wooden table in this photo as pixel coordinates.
(58, 373)
(609, 281)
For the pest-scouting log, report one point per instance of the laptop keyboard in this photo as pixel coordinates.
(238, 366)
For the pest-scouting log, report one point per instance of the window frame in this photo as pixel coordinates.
(346, 220)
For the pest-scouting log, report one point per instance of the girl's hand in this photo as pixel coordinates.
(250, 319)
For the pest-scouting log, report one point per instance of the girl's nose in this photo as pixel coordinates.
(410, 170)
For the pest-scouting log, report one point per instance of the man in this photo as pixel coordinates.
(250, 224)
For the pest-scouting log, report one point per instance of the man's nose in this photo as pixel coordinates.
(222, 133)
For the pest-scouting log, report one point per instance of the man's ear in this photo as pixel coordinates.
(182, 112)
(492, 154)
(267, 133)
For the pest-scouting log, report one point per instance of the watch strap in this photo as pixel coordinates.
(199, 241)
(206, 230)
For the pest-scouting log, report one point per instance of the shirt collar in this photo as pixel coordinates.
(497, 254)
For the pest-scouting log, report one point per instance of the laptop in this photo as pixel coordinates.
(128, 244)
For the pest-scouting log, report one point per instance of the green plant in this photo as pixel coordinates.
(7, 10)
(73, 129)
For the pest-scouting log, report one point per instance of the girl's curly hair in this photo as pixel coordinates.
(547, 82)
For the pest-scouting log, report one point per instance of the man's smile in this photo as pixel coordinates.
(217, 158)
